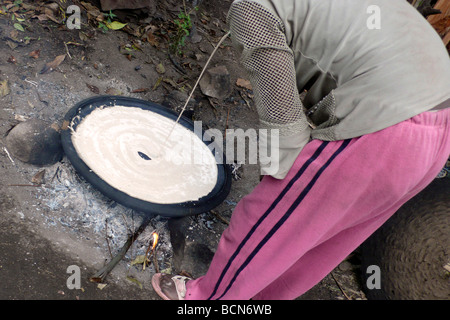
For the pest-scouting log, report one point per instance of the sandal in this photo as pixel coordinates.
(170, 287)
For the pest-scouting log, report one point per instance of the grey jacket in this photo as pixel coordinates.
(365, 65)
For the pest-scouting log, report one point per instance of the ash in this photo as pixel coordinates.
(68, 201)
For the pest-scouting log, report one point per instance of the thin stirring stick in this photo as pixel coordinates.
(195, 86)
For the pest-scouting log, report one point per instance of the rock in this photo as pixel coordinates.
(345, 266)
(194, 36)
(216, 82)
(35, 142)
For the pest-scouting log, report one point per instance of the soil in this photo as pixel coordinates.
(62, 221)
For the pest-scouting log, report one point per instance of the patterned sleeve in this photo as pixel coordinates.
(258, 36)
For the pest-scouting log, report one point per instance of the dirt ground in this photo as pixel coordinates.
(62, 221)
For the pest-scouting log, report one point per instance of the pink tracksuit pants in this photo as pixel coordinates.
(288, 234)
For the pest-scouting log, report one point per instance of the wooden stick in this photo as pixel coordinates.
(218, 216)
(195, 86)
(100, 276)
(155, 261)
(339, 286)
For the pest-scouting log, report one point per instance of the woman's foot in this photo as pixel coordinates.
(170, 287)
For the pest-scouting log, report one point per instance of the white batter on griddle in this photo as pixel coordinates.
(109, 140)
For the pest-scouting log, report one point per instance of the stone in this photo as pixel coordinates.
(36, 142)
(216, 82)
(345, 266)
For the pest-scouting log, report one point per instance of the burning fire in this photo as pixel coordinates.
(155, 240)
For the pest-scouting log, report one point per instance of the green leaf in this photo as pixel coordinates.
(139, 260)
(111, 15)
(115, 25)
(134, 280)
(160, 68)
(19, 27)
(102, 26)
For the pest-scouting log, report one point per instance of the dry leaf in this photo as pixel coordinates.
(14, 34)
(20, 117)
(50, 14)
(93, 11)
(35, 54)
(94, 89)
(102, 286)
(12, 44)
(4, 88)
(38, 177)
(83, 36)
(140, 260)
(113, 92)
(11, 59)
(141, 90)
(53, 6)
(49, 67)
(134, 280)
(442, 26)
(244, 84)
(171, 82)
(158, 83)
(152, 39)
(160, 68)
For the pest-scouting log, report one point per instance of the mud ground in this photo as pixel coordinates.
(62, 222)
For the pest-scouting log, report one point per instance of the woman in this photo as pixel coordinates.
(372, 131)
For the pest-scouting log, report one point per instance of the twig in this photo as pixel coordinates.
(177, 65)
(195, 86)
(55, 175)
(245, 99)
(100, 276)
(67, 49)
(339, 286)
(106, 238)
(218, 216)
(9, 156)
(75, 44)
(34, 83)
(226, 124)
(149, 250)
(155, 261)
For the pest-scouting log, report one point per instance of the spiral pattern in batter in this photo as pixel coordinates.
(124, 147)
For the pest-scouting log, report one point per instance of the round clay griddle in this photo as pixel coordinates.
(79, 116)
